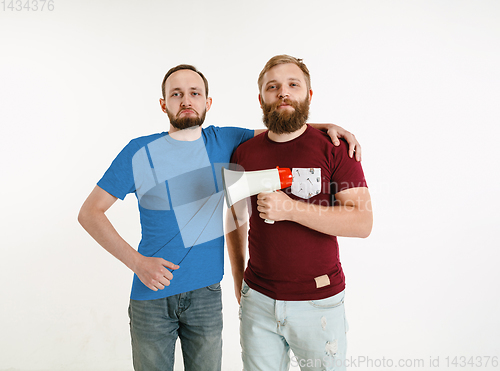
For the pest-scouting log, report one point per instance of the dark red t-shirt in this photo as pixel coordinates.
(286, 257)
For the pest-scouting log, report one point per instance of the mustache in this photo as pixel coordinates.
(290, 102)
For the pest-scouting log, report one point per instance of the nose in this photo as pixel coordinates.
(186, 101)
(283, 93)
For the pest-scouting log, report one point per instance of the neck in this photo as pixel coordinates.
(187, 135)
(286, 136)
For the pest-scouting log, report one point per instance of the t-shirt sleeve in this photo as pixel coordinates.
(118, 180)
(347, 172)
(235, 136)
(234, 157)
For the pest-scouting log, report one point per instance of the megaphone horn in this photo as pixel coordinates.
(241, 184)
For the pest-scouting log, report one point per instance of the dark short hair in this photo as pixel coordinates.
(183, 67)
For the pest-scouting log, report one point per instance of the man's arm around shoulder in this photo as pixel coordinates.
(336, 133)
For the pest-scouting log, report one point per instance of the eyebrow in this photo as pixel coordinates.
(290, 79)
(193, 88)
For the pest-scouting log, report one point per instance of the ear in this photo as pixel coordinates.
(209, 103)
(163, 105)
(260, 101)
(310, 95)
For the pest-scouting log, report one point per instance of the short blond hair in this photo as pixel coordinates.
(283, 59)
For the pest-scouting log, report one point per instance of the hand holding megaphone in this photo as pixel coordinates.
(241, 184)
(269, 204)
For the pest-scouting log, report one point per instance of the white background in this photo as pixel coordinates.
(418, 82)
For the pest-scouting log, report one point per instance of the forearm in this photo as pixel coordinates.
(100, 228)
(350, 216)
(341, 221)
(236, 241)
(322, 127)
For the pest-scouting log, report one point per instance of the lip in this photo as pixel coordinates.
(187, 111)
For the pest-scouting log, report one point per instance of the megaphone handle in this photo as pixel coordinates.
(269, 221)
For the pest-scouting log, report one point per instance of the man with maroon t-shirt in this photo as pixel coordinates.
(292, 294)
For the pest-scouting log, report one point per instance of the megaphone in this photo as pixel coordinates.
(241, 184)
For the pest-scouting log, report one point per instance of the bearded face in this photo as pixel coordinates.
(282, 121)
(181, 123)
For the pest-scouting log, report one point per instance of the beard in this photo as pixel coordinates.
(182, 123)
(285, 122)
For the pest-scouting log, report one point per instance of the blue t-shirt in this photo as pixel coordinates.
(179, 190)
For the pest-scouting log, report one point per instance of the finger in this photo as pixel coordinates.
(351, 142)
(358, 153)
(264, 195)
(167, 274)
(334, 136)
(159, 281)
(164, 282)
(264, 210)
(170, 265)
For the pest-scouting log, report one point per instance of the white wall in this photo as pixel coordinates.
(417, 81)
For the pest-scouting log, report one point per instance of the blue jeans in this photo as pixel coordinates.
(195, 317)
(314, 330)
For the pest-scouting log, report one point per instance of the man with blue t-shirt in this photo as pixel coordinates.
(178, 266)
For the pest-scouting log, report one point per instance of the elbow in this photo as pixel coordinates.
(366, 227)
(81, 217)
(365, 233)
(84, 217)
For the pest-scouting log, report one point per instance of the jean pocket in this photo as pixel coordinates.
(328, 303)
(244, 289)
(214, 287)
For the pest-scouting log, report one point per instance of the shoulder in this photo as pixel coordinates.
(322, 141)
(227, 137)
(136, 144)
(247, 149)
(322, 138)
(225, 130)
(146, 139)
(316, 133)
(254, 141)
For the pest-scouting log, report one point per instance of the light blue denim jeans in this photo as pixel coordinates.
(314, 330)
(195, 317)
